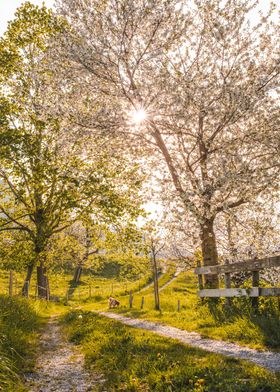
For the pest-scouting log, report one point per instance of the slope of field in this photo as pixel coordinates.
(91, 287)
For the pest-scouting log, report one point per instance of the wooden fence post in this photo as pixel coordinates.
(27, 288)
(47, 285)
(227, 284)
(16, 286)
(11, 284)
(255, 283)
(179, 306)
(130, 299)
(200, 277)
(142, 303)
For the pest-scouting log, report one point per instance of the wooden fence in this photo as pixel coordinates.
(254, 266)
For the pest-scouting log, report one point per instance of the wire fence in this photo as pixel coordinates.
(132, 294)
(13, 284)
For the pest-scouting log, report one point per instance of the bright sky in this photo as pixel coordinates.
(8, 7)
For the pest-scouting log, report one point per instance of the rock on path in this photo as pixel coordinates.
(60, 366)
(267, 359)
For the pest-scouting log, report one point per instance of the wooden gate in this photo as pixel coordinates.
(254, 266)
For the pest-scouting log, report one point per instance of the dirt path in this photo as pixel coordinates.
(172, 278)
(177, 272)
(60, 366)
(267, 359)
(147, 286)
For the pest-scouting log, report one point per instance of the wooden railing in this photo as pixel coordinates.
(254, 266)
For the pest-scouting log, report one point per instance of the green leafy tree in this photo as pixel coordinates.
(114, 245)
(50, 175)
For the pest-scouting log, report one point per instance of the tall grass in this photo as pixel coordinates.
(19, 323)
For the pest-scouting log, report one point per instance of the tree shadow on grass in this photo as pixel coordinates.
(73, 286)
(136, 360)
(266, 320)
(269, 324)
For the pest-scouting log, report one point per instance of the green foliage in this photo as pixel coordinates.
(87, 242)
(33, 25)
(18, 324)
(135, 360)
(122, 237)
(125, 266)
(15, 250)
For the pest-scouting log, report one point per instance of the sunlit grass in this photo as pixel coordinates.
(101, 303)
(136, 360)
(237, 324)
(90, 285)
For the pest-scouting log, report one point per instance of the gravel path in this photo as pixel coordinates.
(267, 359)
(60, 366)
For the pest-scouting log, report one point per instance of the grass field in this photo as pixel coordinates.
(91, 288)
(21, 322)
(97, 287)
(236, 324)
(21, 319)
(135, 360)
(139, 360)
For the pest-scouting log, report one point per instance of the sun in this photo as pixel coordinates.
(138, 116)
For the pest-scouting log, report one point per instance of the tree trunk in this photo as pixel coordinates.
(26, 284)
(75, 280)
(209, 251)
(79, 269)
(43, 283)
(77, 274)
(155, 276)
(11, 280)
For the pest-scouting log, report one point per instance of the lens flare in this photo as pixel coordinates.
(138, 116)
